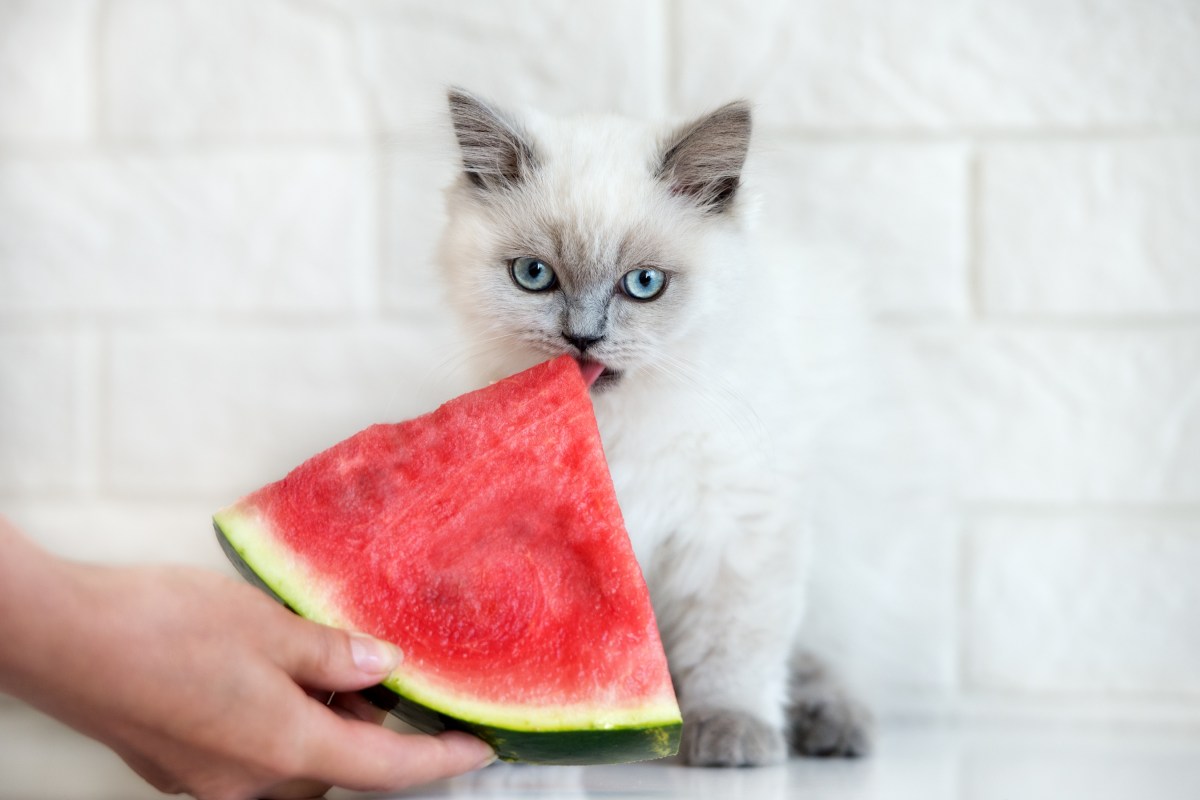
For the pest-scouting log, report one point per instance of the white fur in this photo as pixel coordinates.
(714, 432)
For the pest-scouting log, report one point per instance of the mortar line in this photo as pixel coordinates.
(671, 55)
(976, 304)
(102, 335)
(218, 144)
(1083, 323)
(375, 145)
(962, 561)
(1127, 321)
(1020, 703)
(982, 136)
(997, 700)
(109, 146)
(1162, 510)
(39, 320)
(383, 214)
(99, 129)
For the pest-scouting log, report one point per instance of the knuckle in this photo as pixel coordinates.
(332, 650)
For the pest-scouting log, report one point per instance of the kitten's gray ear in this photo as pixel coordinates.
(703, 160)
(495, 153)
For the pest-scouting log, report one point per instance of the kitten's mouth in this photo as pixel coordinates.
(597, 376)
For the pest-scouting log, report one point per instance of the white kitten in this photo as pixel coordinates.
(628, 246)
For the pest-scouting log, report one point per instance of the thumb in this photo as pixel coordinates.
(322, 657)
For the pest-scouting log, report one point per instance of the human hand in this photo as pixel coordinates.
(204, 685)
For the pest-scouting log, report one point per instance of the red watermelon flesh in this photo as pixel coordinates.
(485, 540)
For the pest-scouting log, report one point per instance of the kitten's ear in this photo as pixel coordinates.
(495, 154)
(703, 160)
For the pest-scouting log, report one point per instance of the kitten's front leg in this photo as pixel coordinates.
(728, 641)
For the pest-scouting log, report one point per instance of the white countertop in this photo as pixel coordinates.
(923, 761)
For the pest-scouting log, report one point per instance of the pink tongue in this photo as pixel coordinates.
(591, 371)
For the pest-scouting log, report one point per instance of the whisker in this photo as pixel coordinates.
(717, 394)
(445, 369)
(471, 348)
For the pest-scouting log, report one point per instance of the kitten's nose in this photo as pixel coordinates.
(582, 343)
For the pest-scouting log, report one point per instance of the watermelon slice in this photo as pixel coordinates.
(484, 539)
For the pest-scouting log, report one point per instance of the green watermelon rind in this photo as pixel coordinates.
(648, 734)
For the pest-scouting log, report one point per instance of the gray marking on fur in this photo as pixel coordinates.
(586, 315)
(496, 154)
(723, 738)
(704, 160)
(823, 719)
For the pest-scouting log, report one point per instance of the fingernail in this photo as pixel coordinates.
(491, 759)
(373, 656)
(463, 739)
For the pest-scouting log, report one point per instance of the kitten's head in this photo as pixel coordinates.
(598, 237)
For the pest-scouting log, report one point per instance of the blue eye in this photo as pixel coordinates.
(533, 274)
(646, 283)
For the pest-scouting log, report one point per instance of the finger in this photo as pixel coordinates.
(347, 705)
(322, 657)
(364, 757)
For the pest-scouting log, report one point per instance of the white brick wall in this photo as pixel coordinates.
(190, 70)
(1115, 229)
(42, 426)
(1061, 415)
(217, 230)
(1077, 604)
(895, 213)
(944, 65)
(253, 232)
(247, 403)
(46, 82)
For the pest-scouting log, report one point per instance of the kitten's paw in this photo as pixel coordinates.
(828, 724)
(721, 738)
